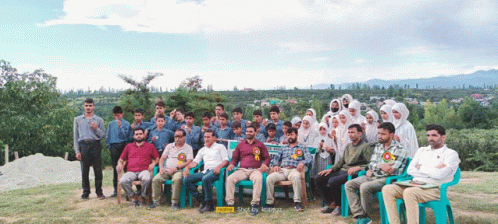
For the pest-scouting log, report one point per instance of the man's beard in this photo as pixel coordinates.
(346, 105)
(139, 140)
(291, 140)
(334, 109)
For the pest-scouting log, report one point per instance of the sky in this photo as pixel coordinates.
(259, 44)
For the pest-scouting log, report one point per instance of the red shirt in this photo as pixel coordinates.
(248, 154)
(139, 157)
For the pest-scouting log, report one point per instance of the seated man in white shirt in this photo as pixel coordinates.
(215, 157)
(436, 164)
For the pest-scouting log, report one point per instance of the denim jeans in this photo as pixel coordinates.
(207, 184)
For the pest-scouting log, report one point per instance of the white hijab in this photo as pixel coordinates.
(358, 118)
(388, 110)
(307, 136)
(371, 129)
(326, 141)
(390, 102)
(342, 135)
(314, 124)
(401, 108)
(324, 120)
(295, 120)
(348, 97)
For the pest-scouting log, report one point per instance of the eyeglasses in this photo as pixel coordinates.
(178, 136)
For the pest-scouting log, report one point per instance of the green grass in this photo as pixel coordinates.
(472, 201)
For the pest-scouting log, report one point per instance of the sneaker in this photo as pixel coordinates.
(113, 195)
(153, 205)
(254, 209)
(337, 211)
(175, 207)
(101, 196)
(202, 203)
(326, 209)
(84, 196)
(298, 206)
(268, 207)
(364, 221)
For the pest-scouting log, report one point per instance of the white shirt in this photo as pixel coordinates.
(211, 156)
(407, 137)
(429, 160)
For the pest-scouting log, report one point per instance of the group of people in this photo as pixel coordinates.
(344, 139)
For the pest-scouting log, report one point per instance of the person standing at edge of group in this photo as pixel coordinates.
(388, 159)
(117, 138)
(88, 131)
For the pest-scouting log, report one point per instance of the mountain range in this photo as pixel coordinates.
(476, 79)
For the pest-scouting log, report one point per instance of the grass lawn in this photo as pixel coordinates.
(474, 200)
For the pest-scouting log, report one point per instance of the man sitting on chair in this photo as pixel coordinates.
(293, 158)
(254, 160)
(215, 157)
(174, 158)
(141, 158)
(436, 164)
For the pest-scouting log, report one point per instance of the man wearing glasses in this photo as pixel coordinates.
(174, 158)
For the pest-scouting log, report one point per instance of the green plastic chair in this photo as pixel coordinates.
(344, 198)
(441, 207)
(218, 184)
(249, 184)
(380, 198)
(167, 189)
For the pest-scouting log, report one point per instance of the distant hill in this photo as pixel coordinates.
(476, 79)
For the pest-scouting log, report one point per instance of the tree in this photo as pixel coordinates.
(138, 96)
(33, 116)
(192, 84)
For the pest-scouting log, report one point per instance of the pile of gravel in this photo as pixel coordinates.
(38, 170)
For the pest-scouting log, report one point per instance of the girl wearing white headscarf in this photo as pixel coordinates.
(346, 100)
(326, 119)
(325, 148)
(314, 125)
(296, 121)
(341, 134)
(306, 134)
(371, 128)
(405, 133)
(354, 108)
(386, 113)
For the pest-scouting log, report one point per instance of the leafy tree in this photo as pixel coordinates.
(138, 96)
(193, 83)
(33, 117)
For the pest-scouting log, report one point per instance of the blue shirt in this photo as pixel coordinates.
(279, 125)
(238, 137)
(178, 125)
(194, 138)
(145, 125)
(243, 125)
(274, 139)
(163, 136)
(262, 130)
(287, 156)
(260, 137)
(117, 134)
(224, 134)
(169, 124)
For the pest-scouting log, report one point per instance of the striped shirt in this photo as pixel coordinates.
(395, 154)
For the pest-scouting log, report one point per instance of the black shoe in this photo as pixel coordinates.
(254, 209)
(268, 207)
(175, 207)
(298, 206)
(113, 195)
(101, 196)
(208, 208)
(85, 196)
(153, 205)
(202, 204)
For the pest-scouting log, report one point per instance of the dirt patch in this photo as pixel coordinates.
(93, 201)
(459, 212)
(471, 181)
(10, 219)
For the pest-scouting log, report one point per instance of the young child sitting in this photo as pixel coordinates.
(237, 131)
